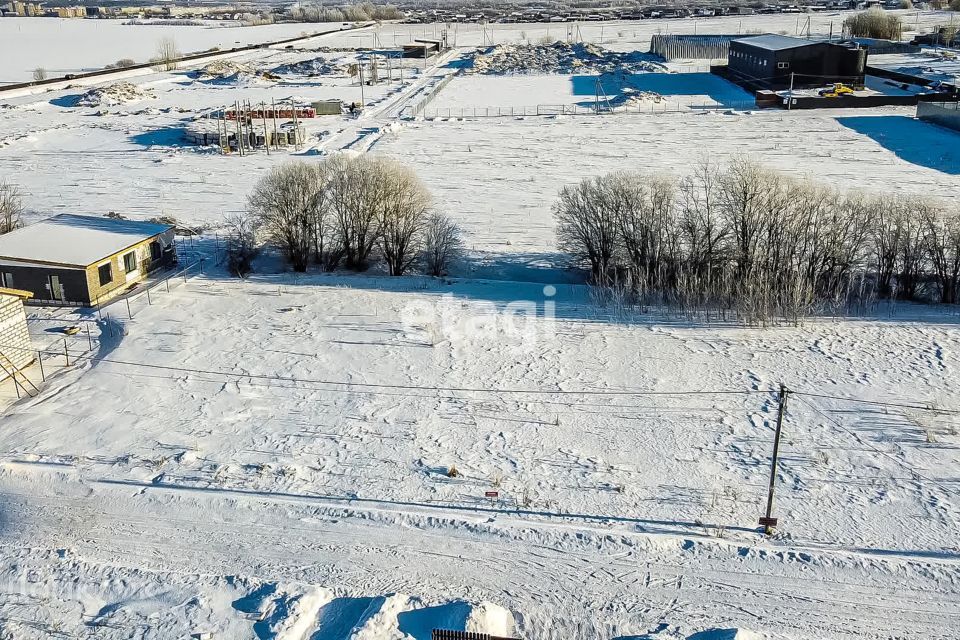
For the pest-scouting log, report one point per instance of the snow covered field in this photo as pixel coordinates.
(271, 458)
(510, 169)
(88, 45)
(326, 412)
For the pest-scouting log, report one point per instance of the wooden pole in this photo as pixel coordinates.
(296, 131)
(66, 352)
(768, 521)
(236, 111)
(43, 376)
(263, 116)
(276, 135)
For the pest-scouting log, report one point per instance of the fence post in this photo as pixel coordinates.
(66, 352)
(43, 377)
(129, 313)
(149, 301)
(89, 338)
(166, 281)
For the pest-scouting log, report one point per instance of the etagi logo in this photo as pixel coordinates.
(519, 324)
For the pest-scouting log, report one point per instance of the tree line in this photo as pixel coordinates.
(345, 210)
(362, 12)
(746, 240)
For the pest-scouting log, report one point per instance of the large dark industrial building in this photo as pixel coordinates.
(767, 62)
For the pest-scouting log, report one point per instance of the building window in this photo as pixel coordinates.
(130, 261)
(106, 274)
(7, 279)
(783, 65)
(155, 251)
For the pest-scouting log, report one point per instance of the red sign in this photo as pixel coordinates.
(492, 494)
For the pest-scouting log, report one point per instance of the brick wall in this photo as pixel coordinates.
(121, 279)
(15, 344)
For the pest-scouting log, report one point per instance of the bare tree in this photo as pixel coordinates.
(285, 202)
(402, 215)
(442, 244)
(39, 74)
(943, 245)
(912, 254)
(742, 238)
(167, 54)
(357, 194)
(242, 244)
(646, 218)
(587, 226)
(701, 222)
(11, 207)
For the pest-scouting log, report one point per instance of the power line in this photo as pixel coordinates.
(493, 390)
(410, 387)
(901, 463)
(899, 405)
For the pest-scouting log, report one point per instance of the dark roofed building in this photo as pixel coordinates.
(768, 62)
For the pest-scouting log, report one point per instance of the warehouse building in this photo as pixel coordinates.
(770, 61)
(82, 260)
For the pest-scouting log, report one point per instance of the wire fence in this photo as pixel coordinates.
(421, 104)
(143, 297)
(67, 339)
(70, 338)
(645, 107)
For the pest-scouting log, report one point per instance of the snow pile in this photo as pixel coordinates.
(726, 634)
(560, 57)
(294, 616)
(490, 618)
(319, 66)
(226, 71)
(632, 98)
(112, 95)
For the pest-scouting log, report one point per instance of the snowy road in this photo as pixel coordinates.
(575, 581)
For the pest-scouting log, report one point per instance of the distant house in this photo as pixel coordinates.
(771, 61)
(82, 260)
(16, 351)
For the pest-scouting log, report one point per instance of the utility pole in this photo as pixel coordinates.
(263, 117)
(276, 135)
(362, 101)
(236, 112)
(768, 522)
(296, 127)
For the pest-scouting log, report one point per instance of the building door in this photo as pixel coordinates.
(56, 289)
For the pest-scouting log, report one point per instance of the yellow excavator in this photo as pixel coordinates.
(836, 90)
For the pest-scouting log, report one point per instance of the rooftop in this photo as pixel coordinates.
(73, 240)
(775, 42)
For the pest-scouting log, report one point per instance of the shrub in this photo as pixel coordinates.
(874, 23)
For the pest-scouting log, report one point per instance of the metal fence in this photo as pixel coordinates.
(663, 106)
(143, 297)
(421, 104)
(68, 339)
